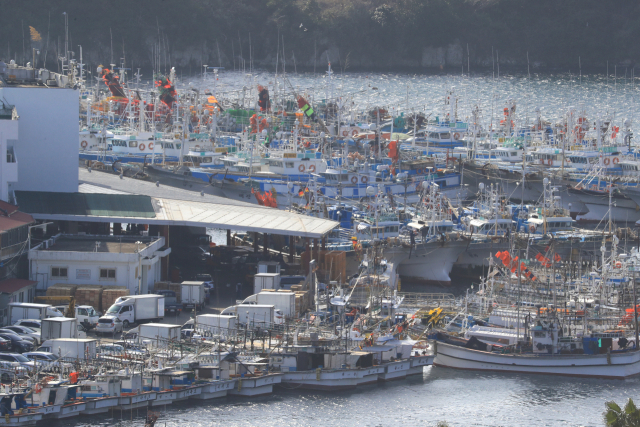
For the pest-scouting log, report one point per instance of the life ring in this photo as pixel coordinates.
(151, 146)
(549, 162)
(354, 132)
(345, 132)
(618, 264)
(615, 161)
(141, 147)
(84, 144)
(354, 179)
(312, 168)
(364, 179)
(532, 228)
(456, 136)
(607, 161)
(301, 168)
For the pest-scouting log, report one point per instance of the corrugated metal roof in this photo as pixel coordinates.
(171, 206)
(11, 217)
(83, 204)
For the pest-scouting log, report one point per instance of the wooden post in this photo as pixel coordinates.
(228, 237)
(292, 247)
(314, 255)
(265, 244)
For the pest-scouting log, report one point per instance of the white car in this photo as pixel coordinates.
(110, 350)
(108, 325)
(34, 324)
(19, 359)
(25, 331)
(11, 370)
(44, 359)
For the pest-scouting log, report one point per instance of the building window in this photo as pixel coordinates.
(21, 297)
(107, 273)
(59, 272)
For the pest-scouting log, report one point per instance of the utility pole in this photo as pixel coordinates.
(635, 308)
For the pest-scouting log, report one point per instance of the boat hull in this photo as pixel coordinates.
(215, 390)
(136, 401)
(21, 420)
(164, 398)
(323, 380)
(101, 405)
(395, 371)
(431, 263)
(370, 375)
(418, 363)
(609, 366)
(255, 386)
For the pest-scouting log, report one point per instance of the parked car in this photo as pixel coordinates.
(206, 279)
(12, 370)
(5, 345)
(34, 324)
(110, 350)
(24, 337)
(23, 330)
(132, 349)
(45, 360)
(108, 325)
(18, 358)
(17, 344)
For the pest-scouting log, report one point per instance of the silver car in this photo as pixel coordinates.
(25, 331)
(108, 325)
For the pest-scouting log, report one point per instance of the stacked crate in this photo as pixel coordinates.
(110, 295)
(61, 290)
(335, 265)
(89, 295)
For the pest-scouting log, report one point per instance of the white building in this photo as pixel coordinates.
(47, 139)
(131, 261)
(8, 138)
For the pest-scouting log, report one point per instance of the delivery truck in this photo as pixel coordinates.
(283, 301)
(255, 315)
(74, 348)
(266, 281)
(24, 310)
(138, 309)
(192, 295)
(158, 334)
(209, 325)
(60, 327)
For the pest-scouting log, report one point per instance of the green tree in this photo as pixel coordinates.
(614, 416)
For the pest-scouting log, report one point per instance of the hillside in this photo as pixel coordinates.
(418, 35)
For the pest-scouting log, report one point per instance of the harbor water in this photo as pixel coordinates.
(614, 96)
(461, 398)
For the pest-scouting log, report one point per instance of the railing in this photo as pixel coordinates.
(418, 299)
(13, 250)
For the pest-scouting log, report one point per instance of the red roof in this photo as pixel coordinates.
(9, 286)
(11, 217)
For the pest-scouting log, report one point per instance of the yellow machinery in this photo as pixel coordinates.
(71, 301)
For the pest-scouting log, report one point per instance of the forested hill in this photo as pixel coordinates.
(419, 35)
